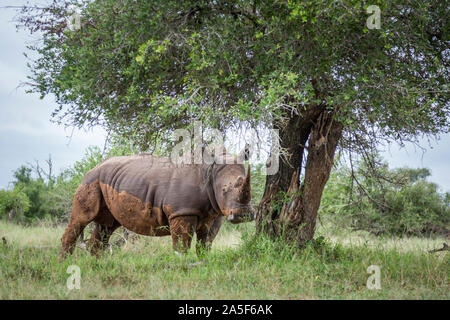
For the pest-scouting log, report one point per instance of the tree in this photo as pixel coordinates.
(312, 69)
(13, 204)
(35, 190)
(22, 175)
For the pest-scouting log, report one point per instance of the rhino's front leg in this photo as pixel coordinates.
(182, 230)
(206, 234)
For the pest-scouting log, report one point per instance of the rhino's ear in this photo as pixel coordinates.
(239, 182)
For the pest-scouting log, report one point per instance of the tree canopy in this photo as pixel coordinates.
(151, 66)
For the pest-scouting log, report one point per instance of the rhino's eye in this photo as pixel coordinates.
(239, 182)
(226, 188)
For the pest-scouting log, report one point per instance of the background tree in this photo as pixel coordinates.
(394, 202)
(28, 182)
(13, 204)
(311, 69)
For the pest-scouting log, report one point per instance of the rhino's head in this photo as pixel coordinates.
(233, 192)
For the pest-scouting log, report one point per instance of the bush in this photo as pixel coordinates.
(59, 199)
(34, 189)
(386, 202)
(13, 204)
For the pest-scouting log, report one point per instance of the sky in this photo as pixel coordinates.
(27, 134)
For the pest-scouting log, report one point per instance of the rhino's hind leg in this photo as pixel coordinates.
(182, 230)
(206, 235)
(86, 206)
(100, 236)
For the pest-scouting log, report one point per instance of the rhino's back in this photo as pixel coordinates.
(136, 175)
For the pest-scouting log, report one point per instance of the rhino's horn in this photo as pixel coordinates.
(246, 188)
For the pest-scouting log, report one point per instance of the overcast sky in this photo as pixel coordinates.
(26, 132)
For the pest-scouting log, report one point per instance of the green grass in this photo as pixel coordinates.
(238, 267)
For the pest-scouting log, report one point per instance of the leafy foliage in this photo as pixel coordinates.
(35, 190)
(13, 204)
(391, 202)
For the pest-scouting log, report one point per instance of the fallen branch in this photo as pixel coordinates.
(444, 248)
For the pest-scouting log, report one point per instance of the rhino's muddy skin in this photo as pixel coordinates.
(153, 197)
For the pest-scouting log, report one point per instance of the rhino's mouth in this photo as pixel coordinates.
(238, 215)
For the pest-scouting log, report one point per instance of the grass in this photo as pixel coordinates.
(238, 267)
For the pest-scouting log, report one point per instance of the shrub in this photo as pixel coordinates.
(33, 188)
(386, 202)
(13, 204)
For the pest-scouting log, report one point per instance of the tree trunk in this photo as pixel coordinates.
(293, 137)
(289, 208)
